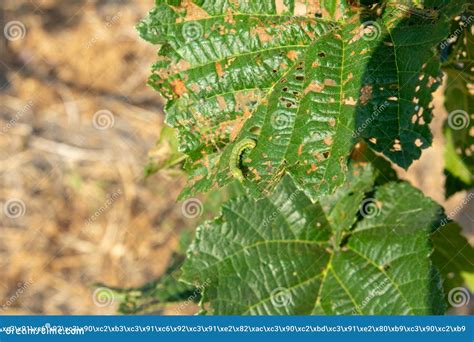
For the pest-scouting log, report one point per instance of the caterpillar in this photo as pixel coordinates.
(236, 154)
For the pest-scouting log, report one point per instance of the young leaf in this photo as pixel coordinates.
(278, 255)
(165, 154)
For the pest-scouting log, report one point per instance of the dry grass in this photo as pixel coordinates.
(89, 214)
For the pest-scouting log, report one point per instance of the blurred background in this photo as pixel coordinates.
(78, 125)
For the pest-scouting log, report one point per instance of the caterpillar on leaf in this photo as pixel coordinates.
(235, 156)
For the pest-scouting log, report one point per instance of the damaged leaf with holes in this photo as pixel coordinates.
(304, 81)
(459, 94)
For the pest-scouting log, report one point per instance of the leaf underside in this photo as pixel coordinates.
(304, 81)
(281, 255)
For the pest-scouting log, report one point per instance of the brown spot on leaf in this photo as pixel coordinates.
(431, 81)
(313, 168)
(396, 146)
(193, 11)
(329, 82)
(221, 102)
(314, 86)
(350, 101)
(328, 140)
(219, 70)
(301, 8)
(300, 149)
(307, 30)
(178, 87)
(366, 94)
(280, 7)
(238, 124)
(292, 55)
(229, 17)
(257, 176)
(262, 34)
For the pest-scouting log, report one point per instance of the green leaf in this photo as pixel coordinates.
(333, 9)
(385, 172)
(401, 82)
(459, 128)
(454, 257)
(342, 207)
(278, 255)
(302, 87)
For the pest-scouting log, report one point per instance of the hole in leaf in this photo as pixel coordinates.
(255, 130)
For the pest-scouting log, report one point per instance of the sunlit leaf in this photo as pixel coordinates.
(305, 81)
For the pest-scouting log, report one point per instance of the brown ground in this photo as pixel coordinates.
(77, 58)
(89, 215)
